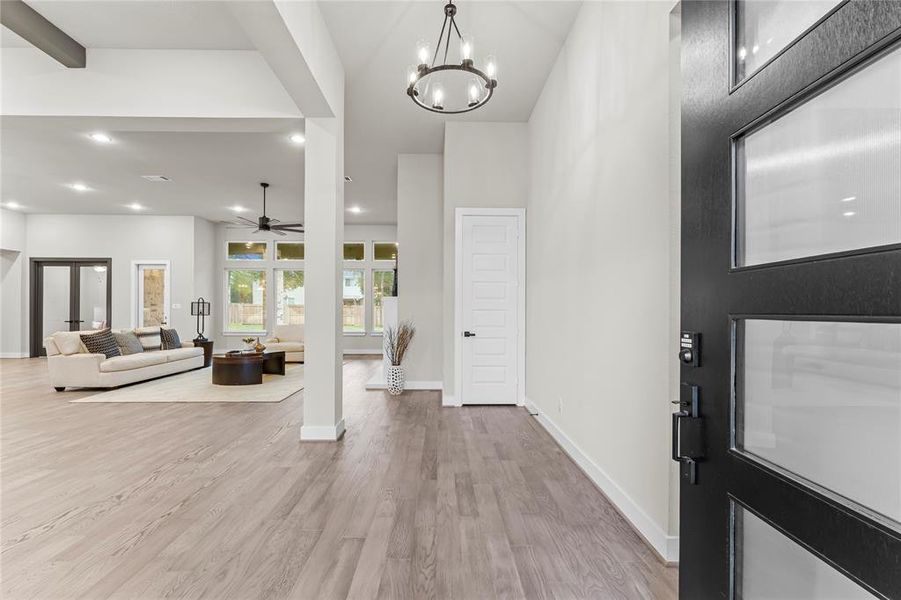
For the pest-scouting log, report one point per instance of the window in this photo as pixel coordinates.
(288, 250)
(382, 286)
(354, 251)
(384, 250)
(246, 309)
(353, 316)
(246, 250)
(289, 297)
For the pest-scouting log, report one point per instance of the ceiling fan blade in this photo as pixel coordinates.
(246, 221)
(274, 221)
(289, 230)
(278, 232)
(255, 231)
(283, 225)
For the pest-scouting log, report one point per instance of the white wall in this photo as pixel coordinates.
(124, 238)
(601, 254)
(486, 166)
(420, 209)
(13, 269)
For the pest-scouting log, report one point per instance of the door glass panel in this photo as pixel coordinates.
(55, 310)
(763, 28)
(92, 296)
(767, 565)
(826, 176)
(821, 401)
(153, 296)
(246, 301)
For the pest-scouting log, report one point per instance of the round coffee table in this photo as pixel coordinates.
(246, 369)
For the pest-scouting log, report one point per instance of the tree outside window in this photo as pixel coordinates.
(246, 309)
(353, 316)
(382, 284)
(289, 294)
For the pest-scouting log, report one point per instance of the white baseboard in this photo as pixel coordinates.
(448, 400)
(667, 546)
(378, 383)
(13, 355)
(362, 351)
(322, 433)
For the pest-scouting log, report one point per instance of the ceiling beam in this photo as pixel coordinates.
(41, 33)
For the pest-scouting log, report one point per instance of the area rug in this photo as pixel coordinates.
(197, 386)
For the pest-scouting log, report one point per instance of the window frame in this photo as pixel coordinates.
(356, 261)
(373, 270)
(275, 272)
(382, 261)
(276, 259)
(265, 257)
(226, 290)
(362, 270)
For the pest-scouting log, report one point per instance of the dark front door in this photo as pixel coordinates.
(790, 443)
(68, 294)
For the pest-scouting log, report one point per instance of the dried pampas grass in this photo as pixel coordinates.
(397, 341)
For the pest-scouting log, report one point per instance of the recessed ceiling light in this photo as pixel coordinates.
(13, 204)
(135, 206)
(79, 187)
(355, 209)
(849, 199)
(101, 138)
(850, 213)
(297, 138)
(238, 208)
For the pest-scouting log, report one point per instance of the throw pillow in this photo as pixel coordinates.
(102, 342)
(169, 339)
(128, 343)
(149, 338)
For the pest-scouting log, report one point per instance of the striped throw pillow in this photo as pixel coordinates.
(149, 337)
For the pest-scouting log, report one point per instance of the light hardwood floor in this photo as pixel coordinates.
(224, 501)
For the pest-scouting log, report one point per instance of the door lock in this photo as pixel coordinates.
(690, 348)
(468, 334)
(688, 432)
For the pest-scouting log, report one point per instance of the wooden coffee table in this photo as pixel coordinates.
(247, 369)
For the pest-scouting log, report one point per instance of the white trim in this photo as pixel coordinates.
(322, 433)
(667, 546)
(448, 400)
(14, 355)
(520, 214)
(366, 351)
(379, 384)
(167, 284)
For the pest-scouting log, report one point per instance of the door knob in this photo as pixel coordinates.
(468, 334)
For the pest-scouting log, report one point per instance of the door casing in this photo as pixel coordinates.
(135, 266)
(520, 213)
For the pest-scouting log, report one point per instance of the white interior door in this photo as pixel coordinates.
(490, 300)
(152, 298)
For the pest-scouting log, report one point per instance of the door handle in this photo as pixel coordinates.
(468, 334)
(73, 321)
(688, 432)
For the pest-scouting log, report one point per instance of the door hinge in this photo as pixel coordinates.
(688, 432)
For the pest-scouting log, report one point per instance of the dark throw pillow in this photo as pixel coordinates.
(102, 342)
(128, 343)
(169, 339)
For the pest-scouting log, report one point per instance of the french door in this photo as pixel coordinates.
(789, 433)
(68, 294)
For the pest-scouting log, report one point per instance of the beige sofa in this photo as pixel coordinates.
(288, 339)
(71, 365)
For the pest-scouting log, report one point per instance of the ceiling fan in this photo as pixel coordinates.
(264, 223)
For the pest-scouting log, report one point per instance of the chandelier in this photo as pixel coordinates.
(450, 87)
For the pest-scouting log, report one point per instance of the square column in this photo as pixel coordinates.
(323, 261)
